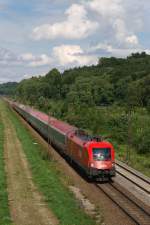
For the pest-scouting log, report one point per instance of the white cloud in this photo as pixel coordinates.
(122, 34)
(27, 56)
(27, 59)
(114, 15)
(107, 8)
(73, 54)
(76, 26)
(42, 60)
(132, 40)
(8, 57)
(107, 49)
(34, 61)
(100, 46)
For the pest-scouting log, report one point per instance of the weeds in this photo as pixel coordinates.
(4, 208)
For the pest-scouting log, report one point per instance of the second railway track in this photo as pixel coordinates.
(139, 214)
(135, 177)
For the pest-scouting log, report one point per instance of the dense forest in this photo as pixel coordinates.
(124, 82)
(8, 88)
(111, 98)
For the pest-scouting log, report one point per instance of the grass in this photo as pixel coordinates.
(49, 179)
(119, 130)
(139, 162)
(4, 208)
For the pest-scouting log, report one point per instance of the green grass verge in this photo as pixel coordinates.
(139, 162)
(49, 179)
(4, 208)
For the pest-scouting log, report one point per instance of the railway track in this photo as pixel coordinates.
(133, 176)
(126, 203)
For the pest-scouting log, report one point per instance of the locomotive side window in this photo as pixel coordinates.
(101, 154)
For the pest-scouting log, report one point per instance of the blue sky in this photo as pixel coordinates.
(36, 36)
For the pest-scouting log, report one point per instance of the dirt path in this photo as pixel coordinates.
(26, 204)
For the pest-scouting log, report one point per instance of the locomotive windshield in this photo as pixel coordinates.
(101, 154)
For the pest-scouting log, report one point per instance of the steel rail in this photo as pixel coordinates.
(136, 175)
(125, 203)
(133, 171)
(138, 185)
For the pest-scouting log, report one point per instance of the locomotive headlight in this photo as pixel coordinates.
(92, 164)
(113, 164)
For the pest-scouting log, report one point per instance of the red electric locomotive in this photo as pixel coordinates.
(94, 155)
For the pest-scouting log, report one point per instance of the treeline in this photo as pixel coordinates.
(113, 80)
(8, 88)
(111, 98)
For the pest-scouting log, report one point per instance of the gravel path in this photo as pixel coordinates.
(26, 203)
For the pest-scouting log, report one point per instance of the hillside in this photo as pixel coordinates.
(8, 88)
(113, 80)
(111, 99)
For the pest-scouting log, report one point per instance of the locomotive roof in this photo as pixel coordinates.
(86, 137)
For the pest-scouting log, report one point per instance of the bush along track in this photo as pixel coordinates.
(4, 208)
(49, 180)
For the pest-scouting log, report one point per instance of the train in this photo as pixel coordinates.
(93, 155)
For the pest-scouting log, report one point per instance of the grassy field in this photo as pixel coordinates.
(139, 162)
(132, 142)
(4, 208)
(49, 180)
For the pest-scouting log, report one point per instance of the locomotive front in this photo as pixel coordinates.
(101, 159)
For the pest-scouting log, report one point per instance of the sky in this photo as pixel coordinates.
(37, 36)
